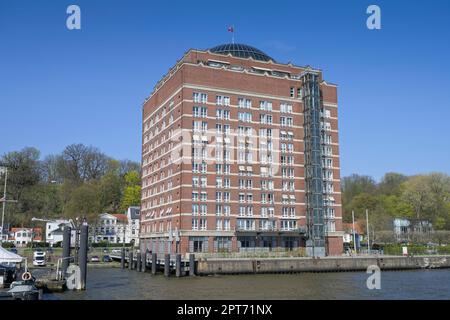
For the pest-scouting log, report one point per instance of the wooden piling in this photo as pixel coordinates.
(122, 258)
(144, 262)
(167, 265)
(178, 265)
(192, 264)
(154, 263)
(130, 260)
(138, 261)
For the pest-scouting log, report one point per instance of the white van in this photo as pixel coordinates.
(39, 258)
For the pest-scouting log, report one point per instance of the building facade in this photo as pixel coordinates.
(21, 237)
(240, 152)
(54, 231)
(117, 228)
(133, 217)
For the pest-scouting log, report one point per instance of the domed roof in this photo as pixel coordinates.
(241, 51)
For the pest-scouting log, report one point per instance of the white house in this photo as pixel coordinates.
(54, 231)
(109, 228)
(22, 236)
(117, 228)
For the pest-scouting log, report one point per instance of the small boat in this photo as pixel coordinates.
(24, 290)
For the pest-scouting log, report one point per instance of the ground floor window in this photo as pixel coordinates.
(222, 244)
(198, 244)
(289, 243)
(246, 242)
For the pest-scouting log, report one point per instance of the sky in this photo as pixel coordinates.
(60, 86)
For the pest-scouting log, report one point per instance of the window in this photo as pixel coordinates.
(286, 121)
(244, 103)
(245, 116)
(331, 226)
(222, 101)
(286, 108)
(265, 118)
(195, 111)
(292, 92)
(203, 224)
(194, 224)
(218, 209)
(203, 209)
(265, 105)
(219, 183)
(288, 225)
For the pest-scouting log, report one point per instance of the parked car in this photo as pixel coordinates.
(107, 258)
(39, 258)
(13, 250)
(95, 259)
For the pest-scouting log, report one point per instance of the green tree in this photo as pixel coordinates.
(84, 202)
(132, 191)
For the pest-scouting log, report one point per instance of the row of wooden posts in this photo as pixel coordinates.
(141, 263)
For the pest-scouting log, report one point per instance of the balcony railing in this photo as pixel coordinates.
(301, 230)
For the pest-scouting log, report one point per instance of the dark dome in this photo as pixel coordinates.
(241, 51)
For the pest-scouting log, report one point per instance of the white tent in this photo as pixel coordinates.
(9, 257)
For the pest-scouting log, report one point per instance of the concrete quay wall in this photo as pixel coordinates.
(326, 264)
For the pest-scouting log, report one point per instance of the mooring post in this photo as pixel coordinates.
(122, 258)
(144, 261)
(178, 265)
(66, 250)
(138, 261)
(83, 254)
(130, 259)
(153, 263)
(167, 265)
(192, 264)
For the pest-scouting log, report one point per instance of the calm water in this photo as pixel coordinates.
(114, 283)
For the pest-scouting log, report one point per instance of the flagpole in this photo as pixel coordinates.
(232, 38)
(4, 203)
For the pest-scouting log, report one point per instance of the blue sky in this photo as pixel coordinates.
(59, 87)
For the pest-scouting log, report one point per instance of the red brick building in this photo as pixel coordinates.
(239, 151)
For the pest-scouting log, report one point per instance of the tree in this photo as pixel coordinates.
(132, 191)
(84, 202)
(79, 163)
(111, 186)
(23, 170)
(391, 183)
(49, 170)
(353, 186)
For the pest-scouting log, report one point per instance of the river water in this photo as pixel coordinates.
(115, 283)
